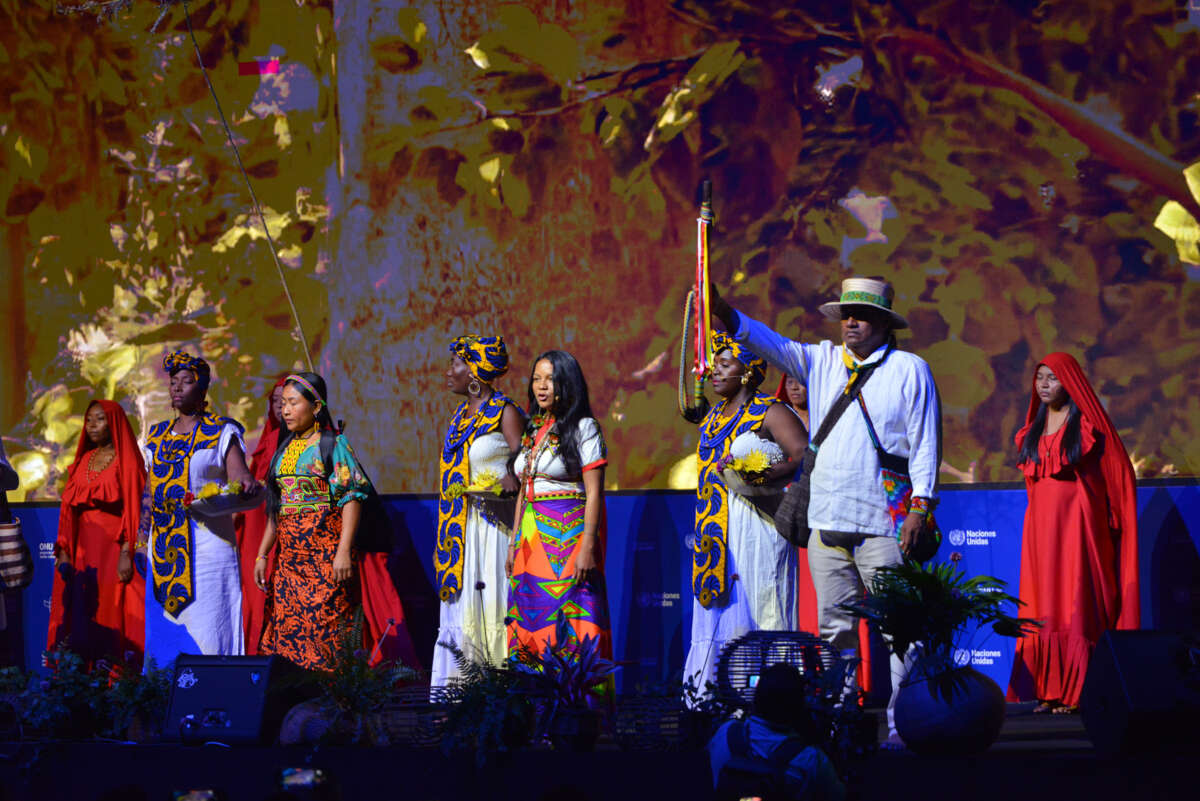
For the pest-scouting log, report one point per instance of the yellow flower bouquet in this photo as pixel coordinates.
(744, 474)
(215, 499)
(486, 481)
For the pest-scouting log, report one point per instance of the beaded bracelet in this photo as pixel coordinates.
(919, 504)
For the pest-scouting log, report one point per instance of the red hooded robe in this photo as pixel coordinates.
(98, 616)
(1079, 552)
(251, 525)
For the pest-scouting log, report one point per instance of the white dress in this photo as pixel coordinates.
(763, 594)
(474, 620)
(212, 622)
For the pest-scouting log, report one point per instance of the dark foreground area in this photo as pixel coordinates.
(1037, 757)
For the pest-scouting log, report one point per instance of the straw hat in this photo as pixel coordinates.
(871, 292)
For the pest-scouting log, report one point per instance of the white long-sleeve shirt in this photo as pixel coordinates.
(846, 492)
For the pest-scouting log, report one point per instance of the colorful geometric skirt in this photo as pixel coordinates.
(308, 614)
(546, 605)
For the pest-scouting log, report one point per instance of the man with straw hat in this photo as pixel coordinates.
(859, 522)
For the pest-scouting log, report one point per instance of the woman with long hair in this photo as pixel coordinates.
(557, 593)
(253, 523)
(194, 590)
(743, 572)
(316, 494)
(97, 608)
(471, 544)
(1079, 566)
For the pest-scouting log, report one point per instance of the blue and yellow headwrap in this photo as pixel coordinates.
(756, 364)
(178, 360)
(485, 357)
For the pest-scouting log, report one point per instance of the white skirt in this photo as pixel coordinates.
(763, 596)
(474, 621)
(212, 623)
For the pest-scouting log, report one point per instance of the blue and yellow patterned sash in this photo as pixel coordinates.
(710, 580)
(452, 505)
(172, 546)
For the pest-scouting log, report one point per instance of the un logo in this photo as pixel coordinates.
(962, 657)
(957, 537)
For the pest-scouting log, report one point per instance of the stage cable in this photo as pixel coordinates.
(187, 14)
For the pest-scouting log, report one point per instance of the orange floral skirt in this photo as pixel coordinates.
(307, 613)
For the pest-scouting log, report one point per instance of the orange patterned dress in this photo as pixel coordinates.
(307, 612)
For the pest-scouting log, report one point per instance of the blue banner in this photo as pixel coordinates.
(648, 569)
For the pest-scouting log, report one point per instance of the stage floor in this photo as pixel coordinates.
(1037, 757)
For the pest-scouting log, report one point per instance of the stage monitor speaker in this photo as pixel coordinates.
(1142, 692)
(229, 699)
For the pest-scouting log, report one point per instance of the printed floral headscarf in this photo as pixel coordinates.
(485, 357)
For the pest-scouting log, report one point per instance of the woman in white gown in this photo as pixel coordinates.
(471, 543)
(743, 572)
(193, 585)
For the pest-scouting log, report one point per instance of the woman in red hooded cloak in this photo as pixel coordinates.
(1079, 554)
(98, 604)
(251, 525)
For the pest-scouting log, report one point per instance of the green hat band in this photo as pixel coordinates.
(858, 296)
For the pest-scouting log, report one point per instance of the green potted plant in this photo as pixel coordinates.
(489, 709)
(134, 705)
(942, 707)
(573, 679)
(349, 699)
(63, 704)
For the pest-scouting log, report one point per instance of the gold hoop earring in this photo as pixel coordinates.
(474, 388)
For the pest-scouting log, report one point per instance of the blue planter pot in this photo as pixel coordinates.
(953, 713)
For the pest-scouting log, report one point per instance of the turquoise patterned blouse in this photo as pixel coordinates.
(300, 474)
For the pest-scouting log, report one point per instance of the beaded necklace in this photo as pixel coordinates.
(459, 432)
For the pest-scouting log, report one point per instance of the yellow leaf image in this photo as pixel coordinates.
(684, 474)
(283, 134)
(1176, 222)
(1192, 176)
(23, 150)
(33, 467)
(246, 225)
(110, 366)
(478, 56)
(490, 170)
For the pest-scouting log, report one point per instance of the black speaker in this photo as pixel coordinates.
(1142, 692)
(230, 699)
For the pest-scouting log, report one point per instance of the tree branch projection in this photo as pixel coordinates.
(1109, 143)
(1106, 141)
(1014, 194)
(108, 11)
(142, 239)
(628, 79)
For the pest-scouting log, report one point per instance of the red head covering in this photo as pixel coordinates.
(131, 478)
(1119, 480)
(264, 451)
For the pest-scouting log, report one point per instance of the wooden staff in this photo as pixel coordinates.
(697, 320)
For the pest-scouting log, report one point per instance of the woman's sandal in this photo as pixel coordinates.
(1064, 710)
(1046, 708)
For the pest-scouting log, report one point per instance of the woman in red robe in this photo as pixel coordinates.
(1079, 568)
(251, 525)
(97, 606)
